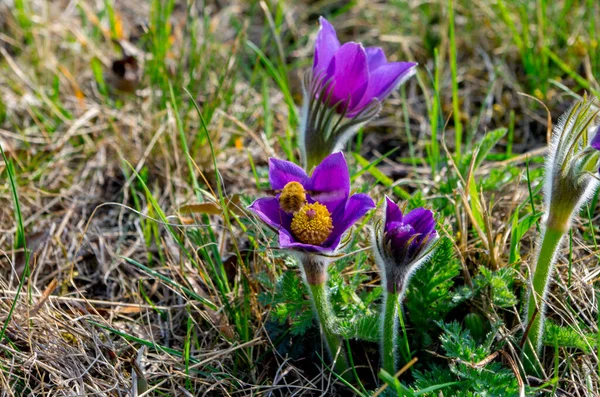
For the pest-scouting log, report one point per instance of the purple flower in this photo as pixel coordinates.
(407, 234)
(357, 75)
(343, 92)
(404, 243)
(311, 213)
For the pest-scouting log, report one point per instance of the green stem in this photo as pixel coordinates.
(316, 153)
(327, 322)
(389, 338)
(537, 295)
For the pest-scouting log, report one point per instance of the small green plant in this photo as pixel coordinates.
(471, 372)
(401, 243)
(571, 180)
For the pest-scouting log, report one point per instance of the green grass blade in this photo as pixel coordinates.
(20, 241)
(381, 177)
(172, 283)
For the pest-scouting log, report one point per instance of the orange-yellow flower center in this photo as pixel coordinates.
(292, 197)
(312, 224)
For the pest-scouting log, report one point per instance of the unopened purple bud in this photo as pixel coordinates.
(404, 243)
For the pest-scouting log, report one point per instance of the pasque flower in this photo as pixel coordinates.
(401, 243)
(311, 214)
(571, 179)
(358, 75)
(343, 91)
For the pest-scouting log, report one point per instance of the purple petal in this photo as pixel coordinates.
(350, 74)
(329, 183)
(326, 45)
(402, 243)
(385, 79)
(400, 235)
(421, 220)
(281, 172)
(596, 140)
(357, 206)
(393, 213)
(375, 58)
(268, 211)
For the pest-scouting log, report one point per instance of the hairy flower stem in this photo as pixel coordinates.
(551, 241)
(389, 338)
(327, 322)
(315, 272)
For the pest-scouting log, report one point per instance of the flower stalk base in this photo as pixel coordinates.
(551, 241)
(389, 338)
(315, 273)
(327, 325)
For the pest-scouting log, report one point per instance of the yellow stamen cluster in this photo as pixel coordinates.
(292, 197)
(312, 224)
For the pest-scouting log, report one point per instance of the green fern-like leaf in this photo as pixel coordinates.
(302, 322)
(490, 379)
(290, 304)
(365, 328)
(291, 287)
(458, 343)
(429, 295)
(568, 337)
(501, 282)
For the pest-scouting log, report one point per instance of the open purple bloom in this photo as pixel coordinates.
(403, 243)
(357, 75)
(311, 213)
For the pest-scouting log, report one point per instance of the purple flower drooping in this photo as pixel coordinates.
(357, 75)
(311, 213)
(342, 92)
(403, 243)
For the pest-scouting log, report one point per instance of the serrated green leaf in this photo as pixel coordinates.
(429, 295)
(501, 282)
(365, 328)
(301, 322)
(555, 334)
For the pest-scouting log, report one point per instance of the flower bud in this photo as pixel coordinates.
(571, 164)
(402, 243)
